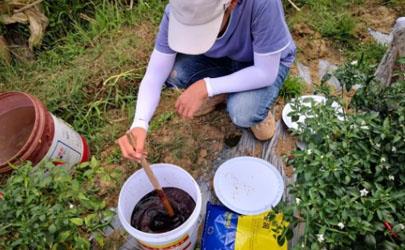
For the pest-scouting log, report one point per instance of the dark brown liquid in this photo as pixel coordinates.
(150, 216)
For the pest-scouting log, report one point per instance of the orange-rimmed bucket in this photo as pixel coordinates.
(29, 132)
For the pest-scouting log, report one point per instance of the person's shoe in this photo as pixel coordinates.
(209, 105)
(265, 130)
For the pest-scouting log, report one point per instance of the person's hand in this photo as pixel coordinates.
(190, 101)
(136, 152)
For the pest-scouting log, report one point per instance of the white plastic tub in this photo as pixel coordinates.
(138, 185)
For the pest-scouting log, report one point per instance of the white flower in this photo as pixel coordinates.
(377, 145)
(402, 226)
(341, 225)
(363, 192)
(71, 205)
(391, 177)
(309, 151)
(320, 237)
(321, 156)
(394, 149)
(303, 245)
(354, 62)
(383, 159)
(363, 123)
(297, 200)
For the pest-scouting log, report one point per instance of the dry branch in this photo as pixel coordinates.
(26, 7)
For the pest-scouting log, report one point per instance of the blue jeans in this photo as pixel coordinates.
(245, 108)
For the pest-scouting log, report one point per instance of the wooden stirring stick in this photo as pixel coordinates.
(152, 178)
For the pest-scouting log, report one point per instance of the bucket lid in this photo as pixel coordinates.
(248, 185)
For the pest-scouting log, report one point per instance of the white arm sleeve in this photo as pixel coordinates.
(262, 74)
(158, 70)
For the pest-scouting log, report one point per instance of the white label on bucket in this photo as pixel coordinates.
(67, 145)
(184, 243)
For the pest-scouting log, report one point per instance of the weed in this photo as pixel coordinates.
(323, 88)
(159, 121)
(114, 156)
(332, 19)
(371, 52)
(338, 27)
(293, 87)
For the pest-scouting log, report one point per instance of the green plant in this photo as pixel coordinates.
(371, 51)
(47, 207)
(161, 120)
(339, 27)
(323, 88)
(350, 179)
(63, 14)
(355, 72)
(293, 87)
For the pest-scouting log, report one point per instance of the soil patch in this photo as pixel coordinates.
(192, 144)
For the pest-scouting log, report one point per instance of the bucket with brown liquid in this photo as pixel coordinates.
(142, 215)
(29, 132)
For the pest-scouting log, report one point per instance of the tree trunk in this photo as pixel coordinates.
(387, 67)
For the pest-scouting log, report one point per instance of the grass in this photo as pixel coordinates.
(340, 27)
(161, 120)
(371, 51)
(336, 21)
(90, 77)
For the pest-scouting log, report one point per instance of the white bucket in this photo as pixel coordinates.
(137, 186)
(68, 147)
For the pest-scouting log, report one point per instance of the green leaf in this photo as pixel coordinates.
(52, 228)
(397, 228)
(77, 221)
(280, 240)
(100, 239)
(64, 235)
(370, 240)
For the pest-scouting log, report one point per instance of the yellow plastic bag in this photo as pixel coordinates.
(226, 230)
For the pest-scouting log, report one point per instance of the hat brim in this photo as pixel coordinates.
(195, 39)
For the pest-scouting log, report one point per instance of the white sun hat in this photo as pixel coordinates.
(194, 24)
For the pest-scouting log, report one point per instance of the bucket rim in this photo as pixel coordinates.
(36, 132)
(157, 238)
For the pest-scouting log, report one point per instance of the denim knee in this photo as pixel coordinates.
(178, 77)
(241, 119)
(243, 111)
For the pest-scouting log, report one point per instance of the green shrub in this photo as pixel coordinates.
(351, 178)
(48, 208)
